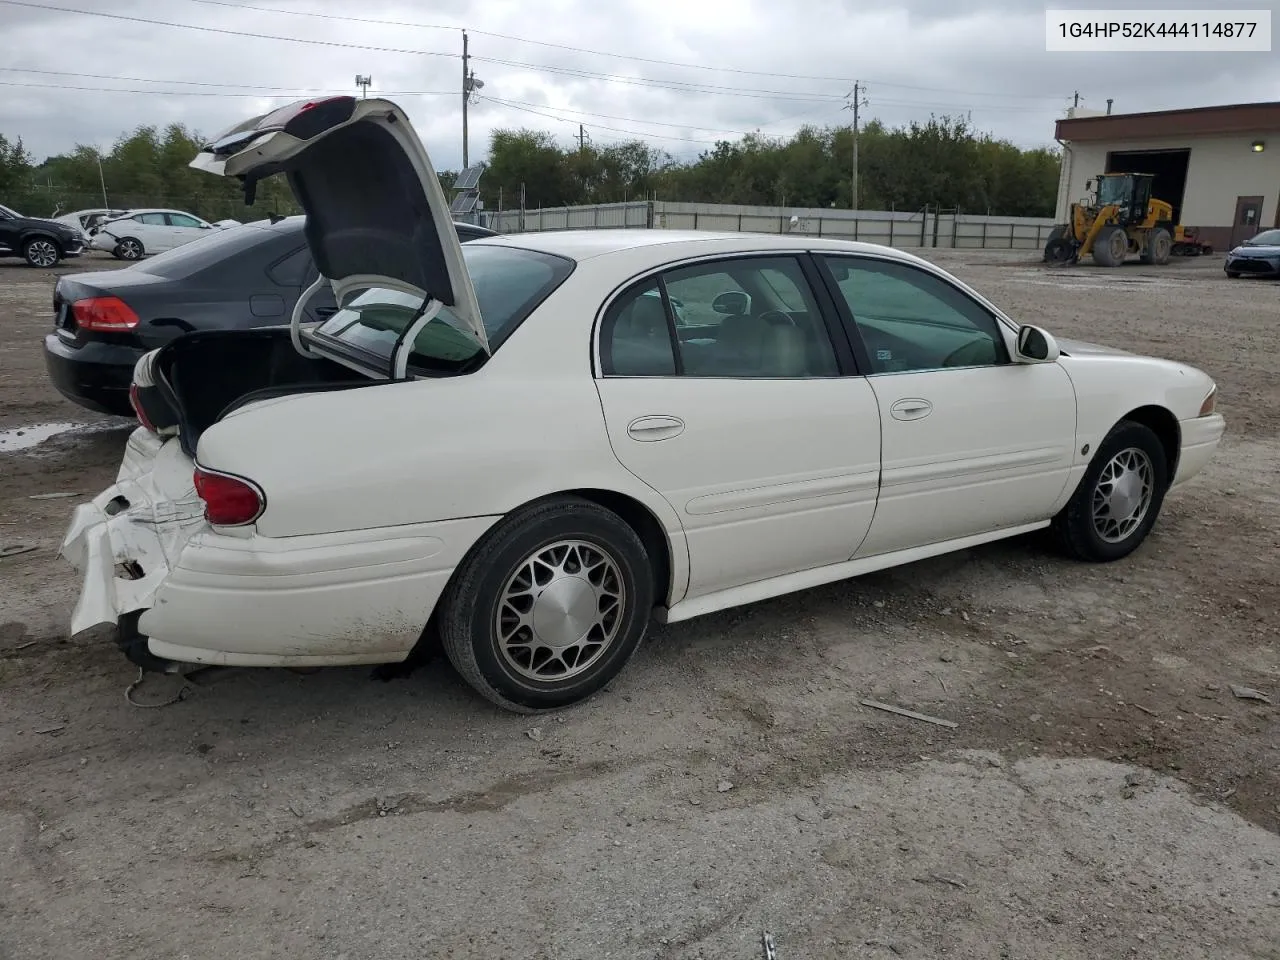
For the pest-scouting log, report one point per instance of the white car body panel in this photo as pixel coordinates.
(374, 495)
(155, 237)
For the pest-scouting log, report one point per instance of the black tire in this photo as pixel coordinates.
(129, 248)
(1110, 246)
(41, 252)
(1075, 524)
(471, 603)
(1058, 250)
(1233, 274)
(1159, 247)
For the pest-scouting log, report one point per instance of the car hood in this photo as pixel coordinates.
(1244, 250)
(1082, 348)
(376, 213)
(47, 222)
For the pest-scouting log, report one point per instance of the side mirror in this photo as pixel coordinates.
(732, 303)
(1035, 345)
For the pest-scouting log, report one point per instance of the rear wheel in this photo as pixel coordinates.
(128, 249)
(41, 252)
(549, 607)
(1110, 246)
(1159, 247)
(1119, 496)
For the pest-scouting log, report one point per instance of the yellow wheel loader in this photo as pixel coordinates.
(1120, 219)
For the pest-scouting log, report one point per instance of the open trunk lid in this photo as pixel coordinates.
(376, 213)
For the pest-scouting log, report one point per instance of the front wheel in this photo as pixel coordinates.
(40, 252)
(1233, 274)
(128, 249)
(1119, 496)
(549, 607)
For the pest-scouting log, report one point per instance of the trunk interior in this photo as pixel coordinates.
(201, 377)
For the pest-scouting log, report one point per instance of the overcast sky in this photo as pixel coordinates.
(623, 68)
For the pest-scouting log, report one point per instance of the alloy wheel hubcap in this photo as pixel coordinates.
(1122, 495)
(130, 250)
(560, 611)
(42, 254)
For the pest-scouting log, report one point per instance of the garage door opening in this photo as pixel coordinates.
(1169, 167)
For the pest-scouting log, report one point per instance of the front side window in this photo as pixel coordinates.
(182, 220)
(749, 317)
(911, 320)
(154, 219)
(509, 284)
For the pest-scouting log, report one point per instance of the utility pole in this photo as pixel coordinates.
(466, 95)
(469, 86)
(363, 83)
(102, 179)
(1077, 99)
(582, 138)
(859, 100)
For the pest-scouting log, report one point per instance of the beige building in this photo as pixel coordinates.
(1218, 166)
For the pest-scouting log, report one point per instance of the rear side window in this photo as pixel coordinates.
(155, 219)
(292, 269)
(509, 284)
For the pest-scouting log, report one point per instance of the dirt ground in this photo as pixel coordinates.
(1104, 792)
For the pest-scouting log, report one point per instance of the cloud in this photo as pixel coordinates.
(776, 65)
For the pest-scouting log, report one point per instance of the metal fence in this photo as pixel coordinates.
(929, 227)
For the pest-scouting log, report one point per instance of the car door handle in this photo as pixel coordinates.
(913, 409)
(647, 429)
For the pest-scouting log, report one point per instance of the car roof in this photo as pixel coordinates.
(586, 244)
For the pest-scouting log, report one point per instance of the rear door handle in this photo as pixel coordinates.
(912, 409)
(647, 429)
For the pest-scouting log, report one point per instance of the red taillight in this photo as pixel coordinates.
(104, 314)
(228, 501)
(137, 408)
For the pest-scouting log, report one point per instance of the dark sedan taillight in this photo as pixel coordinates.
(104, 315)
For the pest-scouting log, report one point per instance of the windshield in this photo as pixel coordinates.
(1113, 190)
(1268, 238)
(509, 284)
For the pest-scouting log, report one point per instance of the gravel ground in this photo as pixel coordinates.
(1104, 793)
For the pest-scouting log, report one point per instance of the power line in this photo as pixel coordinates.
(605, 116)
(281, 92)
(224, 30)
(630, 133)
(606, 53)
(685, 86)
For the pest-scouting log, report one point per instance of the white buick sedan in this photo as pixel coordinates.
(521, 449)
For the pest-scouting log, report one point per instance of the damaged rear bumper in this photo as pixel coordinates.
(126, 540)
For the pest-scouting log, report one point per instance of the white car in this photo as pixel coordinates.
(511, 446)
(87, 221)
(146, 231)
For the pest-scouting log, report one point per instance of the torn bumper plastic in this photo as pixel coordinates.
(126, 540)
